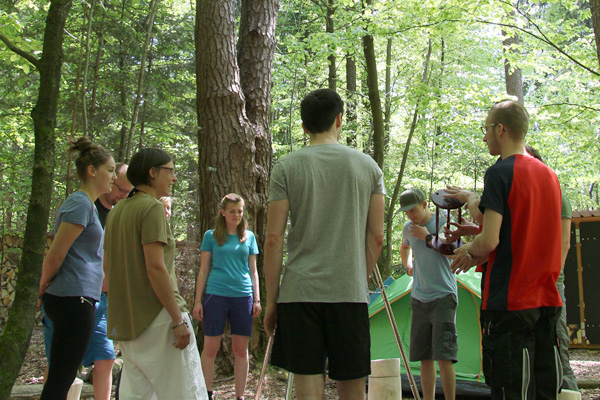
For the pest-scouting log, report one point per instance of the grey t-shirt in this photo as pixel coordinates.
(81, 272)
(329, 189)
(432, 277)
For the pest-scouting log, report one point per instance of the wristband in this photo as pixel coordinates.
(428, 240)
(179, 324)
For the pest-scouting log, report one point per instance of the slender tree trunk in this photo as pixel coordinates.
(144, 106)
(388, 94)
(75, 103)
(595, 7)
(138, 97)
(96, 80)
(389, 218)
(512, 73)
(122, 151)
(374, 99)
(233, 100)
(14, 340)
(351, 101)
(329, 28)
(85, 69)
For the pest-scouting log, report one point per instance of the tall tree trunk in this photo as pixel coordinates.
(388, 94)
(374, 99)
(138, 97)
(512, 73)
(69, 189)
(144, 106)
(386, 257)
(96, 80)
(350, 101)
(14, 340)
(595, 7)
(331, 58)
(233, 101)
(122, 150)
(85, 69)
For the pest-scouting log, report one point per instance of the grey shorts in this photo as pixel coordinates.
(433, 330)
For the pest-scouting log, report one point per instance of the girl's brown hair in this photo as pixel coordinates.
(89, 154)
(220, 233)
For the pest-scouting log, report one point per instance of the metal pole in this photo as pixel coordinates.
(264, 367)
(388, 308)
(290, 386)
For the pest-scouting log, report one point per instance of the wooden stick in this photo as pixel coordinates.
(388, 308)
(264, 368)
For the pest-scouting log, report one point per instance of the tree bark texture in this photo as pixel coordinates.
(14, 340)
(386, 253)
(388, 93)
(374, 99)
(512, 73)
(595, 7)
(329, 28)
(350, 101)
(233, 103)
(138, 97)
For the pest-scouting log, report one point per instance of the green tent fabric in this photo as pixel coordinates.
(383, 344)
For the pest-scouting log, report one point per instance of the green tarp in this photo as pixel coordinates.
(383, 344)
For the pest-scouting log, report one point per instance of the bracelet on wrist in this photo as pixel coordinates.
(179, 324)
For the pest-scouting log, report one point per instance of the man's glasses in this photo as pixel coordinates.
(125, 192)
(484, 127)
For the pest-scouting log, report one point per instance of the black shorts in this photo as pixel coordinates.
(308, 333)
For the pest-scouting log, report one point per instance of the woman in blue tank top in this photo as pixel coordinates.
(227, 289)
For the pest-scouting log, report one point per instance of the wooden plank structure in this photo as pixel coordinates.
(583, 266)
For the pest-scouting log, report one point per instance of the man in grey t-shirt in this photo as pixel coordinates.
(334, 197)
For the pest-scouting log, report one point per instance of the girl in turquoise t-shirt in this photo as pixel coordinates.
(227, 289)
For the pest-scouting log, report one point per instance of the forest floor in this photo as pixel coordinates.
(585, 364)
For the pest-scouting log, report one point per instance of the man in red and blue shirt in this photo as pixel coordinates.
(521, 238)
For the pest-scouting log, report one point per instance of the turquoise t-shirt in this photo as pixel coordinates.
(229, 273)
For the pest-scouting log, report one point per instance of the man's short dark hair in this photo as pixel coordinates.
(142, 162)
(319, 109)
(513, 115)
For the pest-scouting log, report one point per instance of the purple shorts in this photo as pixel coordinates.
(219, 309)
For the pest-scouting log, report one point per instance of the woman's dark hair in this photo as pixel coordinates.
(142, 162)
(89, 154)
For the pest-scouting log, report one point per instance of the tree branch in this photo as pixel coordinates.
(29, 57)
(571, 104)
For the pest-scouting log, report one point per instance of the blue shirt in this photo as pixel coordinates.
(432, 277)
(80, 273)
(229, 273)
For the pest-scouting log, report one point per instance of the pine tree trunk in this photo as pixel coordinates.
(595, 7)
(233, 101)
(14, 341)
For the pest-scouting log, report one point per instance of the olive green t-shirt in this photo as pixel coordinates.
(565, 213)
(132, 303)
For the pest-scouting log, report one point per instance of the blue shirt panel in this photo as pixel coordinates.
(81, 272)
(229, 274)
(432, 277)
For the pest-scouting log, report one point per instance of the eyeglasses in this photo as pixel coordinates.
(125, 192)
(171, 170)
(484, 127)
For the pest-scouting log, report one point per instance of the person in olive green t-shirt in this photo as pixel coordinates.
(146, 313)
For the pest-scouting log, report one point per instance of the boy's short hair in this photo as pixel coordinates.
(319, 109)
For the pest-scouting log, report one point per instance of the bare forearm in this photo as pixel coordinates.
(273, 262)
(374, 244)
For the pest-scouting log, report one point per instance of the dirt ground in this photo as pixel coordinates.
(585, 364)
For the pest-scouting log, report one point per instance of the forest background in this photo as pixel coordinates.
(217, 84)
